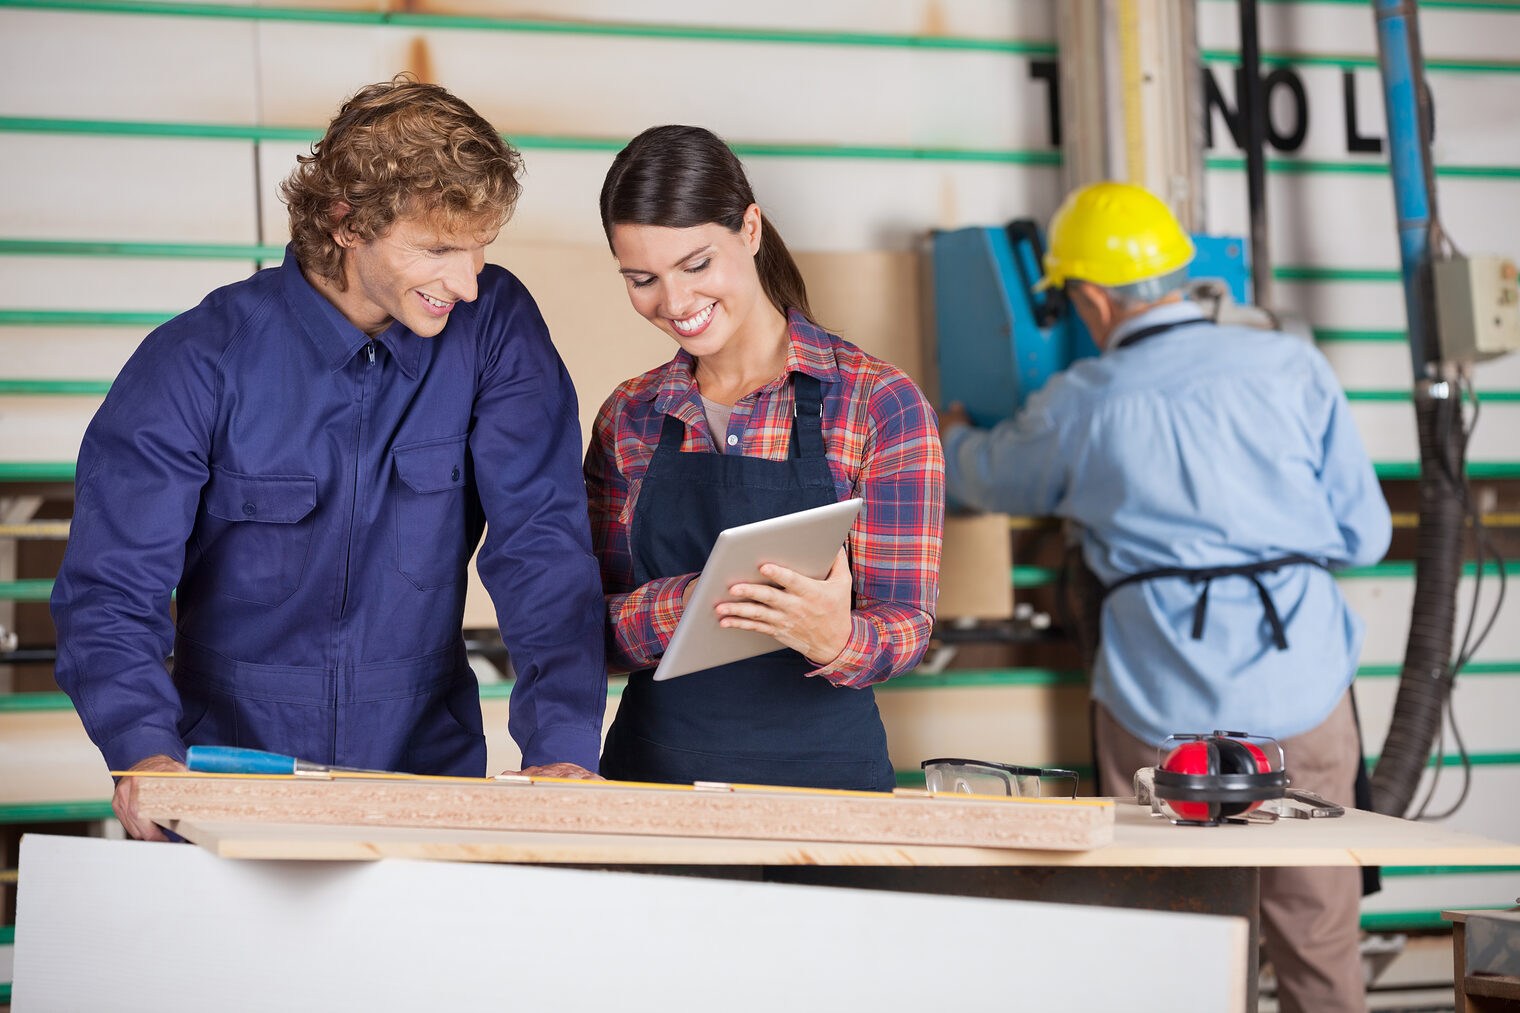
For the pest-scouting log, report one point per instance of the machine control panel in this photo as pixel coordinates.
(1477, 306)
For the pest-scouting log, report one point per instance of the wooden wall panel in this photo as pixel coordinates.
(1336, 29)
(102, 66)
(613, 86)
(148, 285)
(1482, 704)
(126, 188)
(79, 353)
(1385, 604)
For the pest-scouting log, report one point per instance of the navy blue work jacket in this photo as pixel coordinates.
(315, 495)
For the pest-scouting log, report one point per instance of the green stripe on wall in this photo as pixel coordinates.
(1476, 759)
(1295, 272)
(1475, 469)
(552, 142)
(1501, 396)
(54, 386)
(701, 33)
(36, 471)
(1495, 6)
(56, 812)
(1471, 668)
(39, 589)
(1352, 61)
(23, 703)
(1042, 157)
(113, 248)
(82, 318)
(1299, 166)
(235, 251)
(1445, 870)
(1345, 334)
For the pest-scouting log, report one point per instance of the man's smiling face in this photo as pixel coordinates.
(415, 273)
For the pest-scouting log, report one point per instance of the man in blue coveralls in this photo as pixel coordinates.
(1216, 475)
(306, 461)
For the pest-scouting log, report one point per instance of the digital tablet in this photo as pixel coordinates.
(805, 541)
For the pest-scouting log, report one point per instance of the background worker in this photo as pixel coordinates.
(1216, 475)
(306, 460)
(761, 412)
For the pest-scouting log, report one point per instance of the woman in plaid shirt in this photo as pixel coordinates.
(760, 413)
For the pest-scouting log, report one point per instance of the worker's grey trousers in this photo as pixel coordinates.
(1309, 917)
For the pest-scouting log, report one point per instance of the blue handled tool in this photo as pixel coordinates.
(235, 760)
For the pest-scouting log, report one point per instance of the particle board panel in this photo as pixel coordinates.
(44, 429)
(818, 203)
(66, 353)
(45, 756)
(1139, 841)
(1303, 205)
(1339, 29)
(1385, 604)
(1449, 890)
(1489, 807)
(105, 66)
(131, 189)
(983, 19)
(1483, 706)
(113, 284)
(618, 807)
(1388, 430)
(578, 84)
(973, 578)
(1031, 725)
(1384, 365)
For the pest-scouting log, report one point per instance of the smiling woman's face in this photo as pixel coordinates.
(699, 285)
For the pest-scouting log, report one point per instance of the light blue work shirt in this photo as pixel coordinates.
(1200, 446)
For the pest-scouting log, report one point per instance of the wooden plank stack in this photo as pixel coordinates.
(610, 807)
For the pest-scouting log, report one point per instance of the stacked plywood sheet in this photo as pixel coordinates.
(610, 807)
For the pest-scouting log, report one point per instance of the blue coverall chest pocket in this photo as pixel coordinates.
(260, 534)
(432, 511)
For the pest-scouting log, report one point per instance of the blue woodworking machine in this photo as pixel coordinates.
(998, 339)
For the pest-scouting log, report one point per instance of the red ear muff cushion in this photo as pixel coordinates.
(1235, 757)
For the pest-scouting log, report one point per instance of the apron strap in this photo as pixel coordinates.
(807, 411)
(807, 425)
(672, 434)
(1206, 576)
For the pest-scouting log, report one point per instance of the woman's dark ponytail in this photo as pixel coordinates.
(679, 177)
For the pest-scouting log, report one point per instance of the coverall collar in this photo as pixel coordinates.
(336, 338)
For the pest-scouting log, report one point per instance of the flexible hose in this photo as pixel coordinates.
(1425, 680)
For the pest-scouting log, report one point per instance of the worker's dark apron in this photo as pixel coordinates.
(760, 720)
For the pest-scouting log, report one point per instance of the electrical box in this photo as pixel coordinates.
(1477, 306)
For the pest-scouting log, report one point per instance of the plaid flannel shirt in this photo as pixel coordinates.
(882, 443)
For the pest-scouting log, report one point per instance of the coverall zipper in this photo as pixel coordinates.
(348, 551)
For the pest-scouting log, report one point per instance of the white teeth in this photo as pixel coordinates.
(436, 302)
(692, 323)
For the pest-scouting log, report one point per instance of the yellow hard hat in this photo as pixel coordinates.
(1113, 234)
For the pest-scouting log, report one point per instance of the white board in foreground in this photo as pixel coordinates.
(125, 925)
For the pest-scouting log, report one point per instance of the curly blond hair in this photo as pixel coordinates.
(398, 149)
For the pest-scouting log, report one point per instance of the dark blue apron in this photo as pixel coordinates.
(761, 720)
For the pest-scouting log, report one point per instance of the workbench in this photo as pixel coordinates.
(1151, 865)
